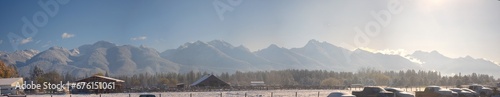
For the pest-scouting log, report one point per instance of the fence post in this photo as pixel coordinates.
(129, 95)
(190, 95)
(245, 94)
(295, 94)
(318, 93)
(271, 94)
(160, 95)
(220, 94)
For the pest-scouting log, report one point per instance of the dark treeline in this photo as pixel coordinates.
(364, 76)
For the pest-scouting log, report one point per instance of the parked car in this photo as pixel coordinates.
(399, 93)
(6, 94)
(496, 92)
(373, 91)
(340, 94)
(483, 91)
(472, 91)
(147, 95)
(464, 93)
(435, 91)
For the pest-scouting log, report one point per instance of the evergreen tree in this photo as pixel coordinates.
(36, 74)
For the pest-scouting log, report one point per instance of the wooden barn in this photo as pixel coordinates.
(209, 81)
(8, 86)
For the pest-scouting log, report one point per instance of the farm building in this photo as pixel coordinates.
(102, 82)
(8, 85)
(209, 81)
(180, 85)
(257, 83)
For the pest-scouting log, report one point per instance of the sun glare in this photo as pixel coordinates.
(435, 2)
(368, 49)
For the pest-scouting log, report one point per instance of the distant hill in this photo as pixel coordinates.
(17, 57)
(102, 56)
(219, 56)
(201, 56)
(289, 59)
(436, 61)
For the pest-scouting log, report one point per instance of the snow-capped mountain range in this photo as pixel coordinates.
(218, 56)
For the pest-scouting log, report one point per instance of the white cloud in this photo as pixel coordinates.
(47, 44)
(67, 35)
(38, 41)
(139, 38)
(494, 62)
(401, 52)
(27, 40)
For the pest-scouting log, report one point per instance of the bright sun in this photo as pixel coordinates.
(435, 2)
(431, 5)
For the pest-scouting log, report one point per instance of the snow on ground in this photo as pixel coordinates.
(255, 93)
(252, 93)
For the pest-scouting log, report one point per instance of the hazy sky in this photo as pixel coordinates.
(453, 27)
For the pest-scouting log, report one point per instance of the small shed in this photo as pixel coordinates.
(257, 83)
(209, 81)
(180, 85)
(8, 86)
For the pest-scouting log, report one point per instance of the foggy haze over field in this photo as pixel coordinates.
(454, 34)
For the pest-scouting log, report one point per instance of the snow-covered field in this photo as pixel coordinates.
(256, 93)
(253, 93)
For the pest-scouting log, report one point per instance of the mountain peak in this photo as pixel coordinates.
(219, 43)
(75, 51)
(143, 46)
(55, 48)
(243, 48)
(433, 52)
(30, 50)
(313, 41)
(468, 57)
(273, 46)
(194, 44)
(198, 42)
(360, 50)
(104, 44)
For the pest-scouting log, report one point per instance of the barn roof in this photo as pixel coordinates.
(205, 77)
(9, 81)
(209, 80)
(102, 77)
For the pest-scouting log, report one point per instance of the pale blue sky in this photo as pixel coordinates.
(453, 27)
